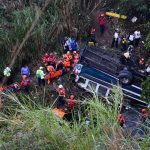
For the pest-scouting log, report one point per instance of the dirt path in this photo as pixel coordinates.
(106, 38)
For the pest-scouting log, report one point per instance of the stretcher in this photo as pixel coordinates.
(59, 112)
(112, 14)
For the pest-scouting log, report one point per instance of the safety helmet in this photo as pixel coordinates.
(60, 86)
(74, 52)
(24, 76)
(143, 110)
(51, 54)
(46, 54)
(72, 96)
(68, 52)
(41, 68)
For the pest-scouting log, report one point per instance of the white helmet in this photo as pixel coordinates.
(60, 86)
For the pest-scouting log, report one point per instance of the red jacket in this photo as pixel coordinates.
(62, 92)
(102, 20)
(25, 82)
(71, 103)
(121, 118)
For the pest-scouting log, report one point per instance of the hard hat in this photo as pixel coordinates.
(41, 67)
(74, 52)
(46, 54)
(60, 86)
(51, 54)
(68, 52)
(24, 76)
(102, 15)
(72, 96)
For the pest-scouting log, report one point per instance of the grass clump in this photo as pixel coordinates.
(94, 126)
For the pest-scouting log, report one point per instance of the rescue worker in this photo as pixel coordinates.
(25, 71)
(115, 39)
(45, 59)
(51, 60)
(102, 20)
(92, 35)
(66, 45)
(73, 44)
(141, 63)
(25, 84)
(121, 120)
(131, 39)
(59, 65)
(52, 74)
(71, 102)
(40, 76)
(7, 72)
(62, 96)
(124, 44)
(144, 113)
(75, 58)
(137, 37)
(67, 61)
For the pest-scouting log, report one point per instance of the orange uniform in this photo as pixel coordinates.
(67, 60)
(52, 73)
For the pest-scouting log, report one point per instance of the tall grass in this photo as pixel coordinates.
(39, 128)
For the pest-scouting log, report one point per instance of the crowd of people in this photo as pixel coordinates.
(128, 44)
(53, 67)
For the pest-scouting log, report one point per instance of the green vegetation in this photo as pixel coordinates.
(146, 89)
(39, 128)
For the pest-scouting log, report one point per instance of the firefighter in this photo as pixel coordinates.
(144, 113)
(25, 83)
(75, 58)
(102, 20)
(52, 73)
(71, 102)
(62, 96)
(59, 65)
(121, 120)
(142, 63)
(51, 60)
(67, 61)
(45, 59)
(40, 76)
